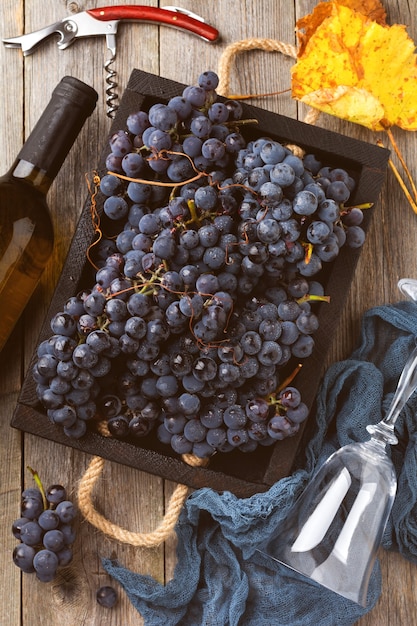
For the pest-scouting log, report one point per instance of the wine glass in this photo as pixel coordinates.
(333, 531)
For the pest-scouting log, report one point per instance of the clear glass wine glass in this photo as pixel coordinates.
(333, 531)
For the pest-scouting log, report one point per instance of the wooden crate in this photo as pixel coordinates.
(240, 473)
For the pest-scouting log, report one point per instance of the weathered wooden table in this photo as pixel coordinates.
(134, 499)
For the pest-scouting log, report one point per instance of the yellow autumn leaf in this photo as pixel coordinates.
(359, 70)
(307, 25)
(351, 103)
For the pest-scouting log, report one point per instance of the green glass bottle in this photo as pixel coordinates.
(26, 231)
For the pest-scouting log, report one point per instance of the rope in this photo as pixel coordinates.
(256, 43)
(112, 530)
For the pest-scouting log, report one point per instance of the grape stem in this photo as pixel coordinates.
(38, 481)
(308, 247)
(155, 182)
(364, 205)
(95, 218)
(272, 399)
(289, 378)
(312, 298)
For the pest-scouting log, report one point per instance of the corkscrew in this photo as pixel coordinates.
(104, 21)
(111, 94)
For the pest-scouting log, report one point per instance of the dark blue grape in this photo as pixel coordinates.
(138, 192)
(115, 207)
(201, 126)
(181, 106)
(17, 526)
(305, 203)
(234, 416)
(162, 116)
(64, 416)
(118, 426)
(237, 436)
(137, 122)
(318, 232)
(338, 191)
(120, 143)
(66, 511)
(133, 165)
(31, 533)
(53, 540)
(194, 430)
(297, 414)
(180, 444)
(106, 596)
(63, 324)
(31, 507)
(196, 95)
(23, 556)
(45, 563)
(355, 236)
(208, 80)
(139, 426)
(76, 430)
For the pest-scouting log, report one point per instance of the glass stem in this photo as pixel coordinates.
(384, 430)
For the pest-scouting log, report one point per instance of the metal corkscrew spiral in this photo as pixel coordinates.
(111, 95)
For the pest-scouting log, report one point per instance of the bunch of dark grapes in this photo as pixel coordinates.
(205, 297)
(45, 532)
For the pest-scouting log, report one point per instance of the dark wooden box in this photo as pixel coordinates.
(243, 474)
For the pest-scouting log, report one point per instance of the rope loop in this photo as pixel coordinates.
(144, 540)
(254, 43)
(229, 55)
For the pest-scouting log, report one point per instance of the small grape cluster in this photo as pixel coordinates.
(45, 532)
(205, 297)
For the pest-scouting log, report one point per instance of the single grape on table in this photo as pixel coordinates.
(106, 596)
(204, 301)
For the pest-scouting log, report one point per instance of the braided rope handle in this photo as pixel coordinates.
(231, 51)
(144, 540)
(254, 43)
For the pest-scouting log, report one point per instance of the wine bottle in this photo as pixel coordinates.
(26, 229)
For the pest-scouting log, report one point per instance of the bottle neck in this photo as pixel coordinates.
(56, 130)
(31, 174)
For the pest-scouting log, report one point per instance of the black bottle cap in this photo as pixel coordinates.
(48, 144)
(81, 94)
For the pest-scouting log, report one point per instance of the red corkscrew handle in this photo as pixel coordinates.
(156, 15)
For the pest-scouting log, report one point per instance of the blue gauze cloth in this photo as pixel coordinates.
(220, 579)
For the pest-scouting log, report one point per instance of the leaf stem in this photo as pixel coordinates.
(402, 161)
(256, 95)
(412, 201)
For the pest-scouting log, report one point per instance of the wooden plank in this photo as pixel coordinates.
(11, 113)
(10, 487)
(389, 255)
